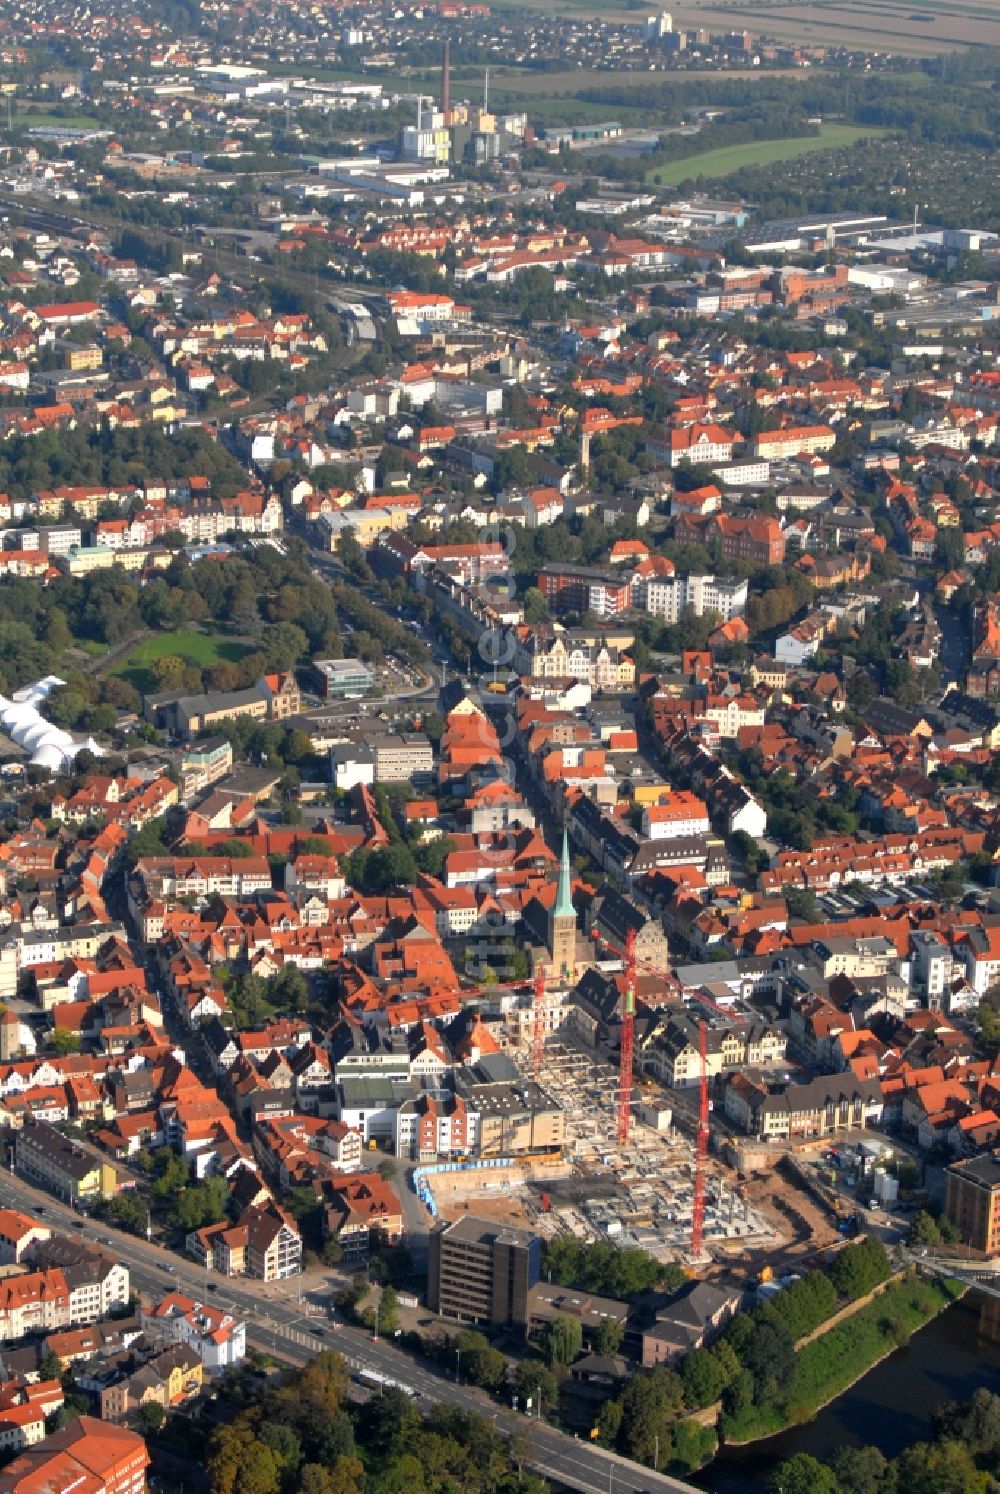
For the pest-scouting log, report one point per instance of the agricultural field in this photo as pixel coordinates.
(730, 158)
(199, 649)
(911, 30)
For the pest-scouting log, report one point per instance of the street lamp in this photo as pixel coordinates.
(458, 1365)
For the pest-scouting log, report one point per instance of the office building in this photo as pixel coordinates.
(482, 1272)
(338, 678)
(972, 1201)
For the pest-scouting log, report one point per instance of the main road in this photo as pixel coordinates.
(280, 1325)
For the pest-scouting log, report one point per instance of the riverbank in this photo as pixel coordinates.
(830, 1363)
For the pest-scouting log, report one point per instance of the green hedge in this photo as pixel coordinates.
(832, 1362)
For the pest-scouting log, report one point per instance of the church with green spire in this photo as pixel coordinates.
(562, 919)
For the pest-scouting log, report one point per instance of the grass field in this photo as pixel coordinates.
(26, 118)
(200, 649)
(730, 158)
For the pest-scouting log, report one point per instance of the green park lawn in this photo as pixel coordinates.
(730, 158)
(200, 649)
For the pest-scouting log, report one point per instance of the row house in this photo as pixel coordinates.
(825, 1106)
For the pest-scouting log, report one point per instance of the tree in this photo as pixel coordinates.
(433, 724)
(167, 672)
(860, 1469)
(533, 1379)
(62, 1041)
(201, 1204)
(50, 1366)
(172, 1172)
(858, 1268)
(605, 1268)
(147, 842)
(284, 1442)
(649, 1403)
(801, 903)
(609, 1422)
(609, 1336)
(129, 1213)
(486, 1367)
(563, 1340)
(923, 1229)
(150, 1417)
(239, 1463)
(769, 1355)
(536, 608)
(248, 999)
(388, 1311)
(738, 1394)
(938, 1468)
(806, 1303)
(290, 989)
(284, 644)
(382, 869)
(976, 1424)
(346, 1476)
(315, 1479)
(333, 1252)
(430, 856)
(802, 1474)
(693, 1446)
(297, 747)
(703, 1377)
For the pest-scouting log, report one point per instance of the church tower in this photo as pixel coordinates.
(562, 919)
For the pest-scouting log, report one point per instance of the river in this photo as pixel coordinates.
(890, 1408)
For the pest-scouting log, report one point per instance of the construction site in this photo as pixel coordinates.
(626, 1173)
(639, 1193)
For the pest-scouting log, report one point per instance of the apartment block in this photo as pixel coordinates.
(672, 597)
(67, 1169)
(88, 1455)
(574, 588)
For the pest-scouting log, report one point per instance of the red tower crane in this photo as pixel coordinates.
(627, 1043)
(701, 1145)
(703, 1131)
(626, 1051)
(538, 1028)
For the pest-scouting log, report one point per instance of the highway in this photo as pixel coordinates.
(280, 1325)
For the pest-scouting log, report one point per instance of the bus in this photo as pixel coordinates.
(374, 1381)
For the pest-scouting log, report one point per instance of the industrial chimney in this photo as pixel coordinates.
(446, 82)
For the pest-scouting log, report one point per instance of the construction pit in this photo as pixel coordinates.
(640, 1195)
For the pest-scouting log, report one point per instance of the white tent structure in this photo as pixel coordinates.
(49, 746)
